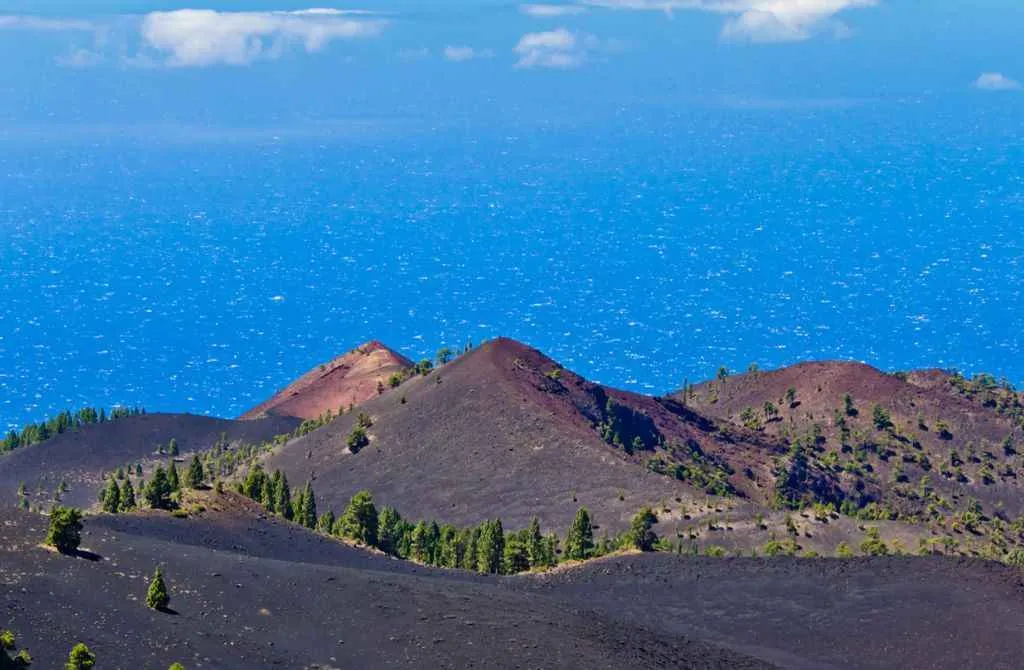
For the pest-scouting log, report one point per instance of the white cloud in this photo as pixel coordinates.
(459, 54)
(995, 81)
(759, 20)
(199, 37)
(558, 49)
(551, 11)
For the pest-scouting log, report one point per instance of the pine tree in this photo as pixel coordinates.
(112, 497)
(128, 496)
(158, 491)
(267, 495)
(359, 521)
(172, 477)
(447, 547)
(469, 560)
(534, 544)
(389, 531)
(172, 447)
(641, 534)
(298, 500)
(516, 558)
(326, 523)
(550, 550)
(195, 475)
(579, 543)
(283, 497)
(433, 543)
(420, 550)
(307, 510)
(156, 596)
(490, 547)
(80, 658)
(65, 530)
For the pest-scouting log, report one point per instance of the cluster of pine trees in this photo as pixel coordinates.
(160, 492)
(66, 421)
(484, 548)
(275, 494)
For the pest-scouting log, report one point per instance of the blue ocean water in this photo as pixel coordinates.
(200, 270)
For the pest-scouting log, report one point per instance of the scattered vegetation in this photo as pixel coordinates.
(80, 658)
(65, 530)
(66, 421)
(157, 597)
(10, 656)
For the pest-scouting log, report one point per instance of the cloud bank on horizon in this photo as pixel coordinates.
(758, 21)
(202, 37)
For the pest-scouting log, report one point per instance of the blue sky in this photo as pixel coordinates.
(256, 62)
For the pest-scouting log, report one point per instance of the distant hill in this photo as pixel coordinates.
(349, 379)
(903, 439)
(503, 431)
(80, 457)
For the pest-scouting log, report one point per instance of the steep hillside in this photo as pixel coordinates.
(250, 610)
(80, 457)
(505, 432)
(348, 380)
(926, 446)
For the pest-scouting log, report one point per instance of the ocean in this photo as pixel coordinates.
(199, 269)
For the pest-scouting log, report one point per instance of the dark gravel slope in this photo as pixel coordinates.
(244, 611)
(82, 456)
(822, 613)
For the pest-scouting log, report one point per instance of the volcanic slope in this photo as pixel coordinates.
(814, 614)
(235, 610)
(347, 380)
(503, 431)
(250, 591)
(904, 439)
(82, 456)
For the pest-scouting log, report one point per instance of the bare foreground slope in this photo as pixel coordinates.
(335, 610)
(284, 597)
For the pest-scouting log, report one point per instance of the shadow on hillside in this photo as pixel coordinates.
(86, 554)
(167, 610)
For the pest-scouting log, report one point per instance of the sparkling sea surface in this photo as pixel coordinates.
(201, 270)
